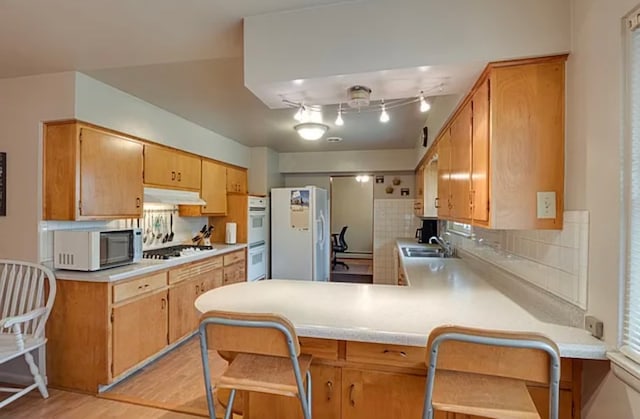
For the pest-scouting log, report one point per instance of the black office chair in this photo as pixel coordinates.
(338, 245)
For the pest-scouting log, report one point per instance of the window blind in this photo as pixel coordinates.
(631, 335)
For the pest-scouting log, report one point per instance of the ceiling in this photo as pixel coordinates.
(187, 57)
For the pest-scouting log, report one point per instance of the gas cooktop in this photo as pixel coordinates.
(173, 251)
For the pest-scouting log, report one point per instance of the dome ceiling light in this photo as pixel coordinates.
(311, 131)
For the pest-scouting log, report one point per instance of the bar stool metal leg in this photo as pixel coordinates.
(228, 414)
(204, 352)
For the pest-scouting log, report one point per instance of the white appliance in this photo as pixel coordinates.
(300, 234)
(95, 249)
(258, 238)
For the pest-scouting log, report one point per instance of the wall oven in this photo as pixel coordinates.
(258, 219)
(256, 261)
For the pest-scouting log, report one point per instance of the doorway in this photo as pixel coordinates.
(352, 206)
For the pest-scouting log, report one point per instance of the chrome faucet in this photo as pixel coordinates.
(448, 249)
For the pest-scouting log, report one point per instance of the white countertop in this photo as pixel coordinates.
(441, 292)
(145, 266)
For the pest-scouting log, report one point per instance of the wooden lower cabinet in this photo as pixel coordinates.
(139, 330)
(380, 395)
(183, 316)
(349, 385)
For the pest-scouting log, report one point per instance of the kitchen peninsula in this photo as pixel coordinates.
(368, 341)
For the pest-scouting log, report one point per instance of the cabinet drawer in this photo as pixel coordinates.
(233, 257)
(396, 355)
(194, 269)
(319, 348)
(138, 286)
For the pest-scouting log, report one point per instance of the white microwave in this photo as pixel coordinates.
(95, 249)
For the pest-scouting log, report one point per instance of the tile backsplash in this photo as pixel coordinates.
(184, 229)
(554, 260)
(392, 218)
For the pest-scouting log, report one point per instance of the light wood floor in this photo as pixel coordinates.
(66, 405)
(171, 387)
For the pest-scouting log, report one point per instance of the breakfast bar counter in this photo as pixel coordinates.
(441, 292)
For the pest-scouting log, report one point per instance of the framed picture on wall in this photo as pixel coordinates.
(404, 192)
(379, 179)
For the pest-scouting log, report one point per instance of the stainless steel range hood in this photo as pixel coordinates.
(173, 197)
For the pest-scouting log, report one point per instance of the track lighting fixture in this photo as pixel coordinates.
(339, 120)
(384, 116)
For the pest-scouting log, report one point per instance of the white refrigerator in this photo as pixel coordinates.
(300, 245)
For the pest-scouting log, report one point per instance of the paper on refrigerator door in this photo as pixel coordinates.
(299, 209)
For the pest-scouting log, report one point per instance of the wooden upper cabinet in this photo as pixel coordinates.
(460, 172)
(503, 145)
(165, 167)
(527, 143)
(236, 180)
(90, 173)
(214, 188)
(443, 200)
(480, 154)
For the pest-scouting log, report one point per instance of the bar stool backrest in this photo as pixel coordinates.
(260, 333)
(509, 362)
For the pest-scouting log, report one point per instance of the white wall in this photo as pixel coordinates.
(484, 31)
(25, 103)
(352, 205)
(109, 107)
(264, 171)
(348, 161)
(594, 135)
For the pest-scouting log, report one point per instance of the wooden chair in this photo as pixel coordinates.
(23, 314)
(267, 357)
(484, 372)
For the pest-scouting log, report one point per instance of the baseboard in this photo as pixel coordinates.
(355, 255)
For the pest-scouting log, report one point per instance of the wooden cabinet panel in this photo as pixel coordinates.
(460, 168)
(125, 290)
(396, 355)
(231, 258)
(527, 143)
(480, 154)
(325, 398)
(236, 180)
(319, 348)
(234, 273)
(170, 168)
(214, 188)
(90, 173)
(380, 395)
(444, 170)
(190, 270)
(540, 396)
(139, 331)
(110, 175)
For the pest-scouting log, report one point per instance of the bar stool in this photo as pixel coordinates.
(266, 357)
(484, 372)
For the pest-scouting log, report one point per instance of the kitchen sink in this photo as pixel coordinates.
(423, 252)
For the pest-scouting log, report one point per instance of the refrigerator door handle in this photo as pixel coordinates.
(321, 230)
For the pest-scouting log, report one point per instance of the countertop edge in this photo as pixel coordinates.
(143, 267)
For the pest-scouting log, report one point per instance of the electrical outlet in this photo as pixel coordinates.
(594, 326)
(546, 205)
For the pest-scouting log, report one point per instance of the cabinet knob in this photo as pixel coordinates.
(390, 351)
(436, 202)
(179, 176)
(173, 175)
(352, 389)
(197, 289)
(138, 202)
(163, 304)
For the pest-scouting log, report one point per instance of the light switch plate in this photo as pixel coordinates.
(546, 205)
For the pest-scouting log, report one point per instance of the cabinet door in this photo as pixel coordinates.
(214, 188)
(325, 398)
(236, 181)
(235, 273)
(381, 395)
(139, 330)
(110, 175)
(166, 167)
(430, 190)
(444, 168)
(480, 154)
(183, 316)
(419, 188)
(188, 171)
(461, 165)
